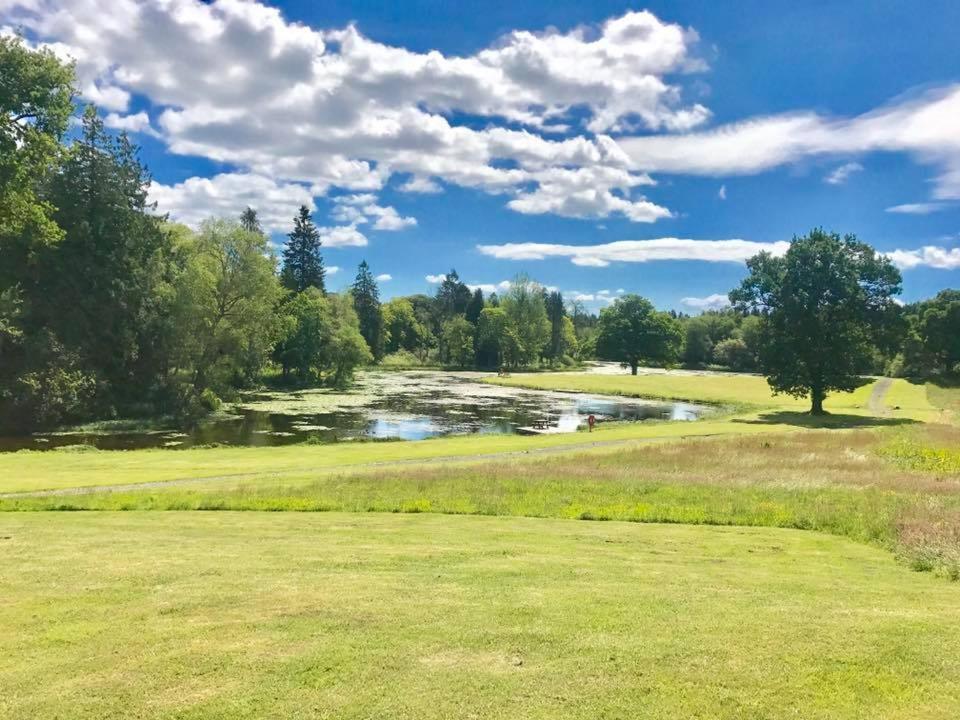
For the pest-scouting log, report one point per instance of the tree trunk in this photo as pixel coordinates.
(816, 405)
(633, 367)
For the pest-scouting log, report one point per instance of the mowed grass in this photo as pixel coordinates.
(759, 413)
(904, 400)
(893, 489)
(292, 615)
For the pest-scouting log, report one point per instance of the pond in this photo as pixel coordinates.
(381, 405)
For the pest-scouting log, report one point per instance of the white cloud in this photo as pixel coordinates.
(923, 208)
(710, 302)
(488, 288)
(928, 256)
(926, 126)
(140, 122)
(422, 185)
(227, 195)
(637, 251)
(332, 269)
(362, 209)
(838, 176)
(434, 279)
(342, 236)
(620, 291)
(356, 111)
(722, 192)
(384, 277)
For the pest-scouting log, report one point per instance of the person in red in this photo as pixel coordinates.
(591, 421)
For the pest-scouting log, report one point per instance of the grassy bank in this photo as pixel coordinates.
(218, 615)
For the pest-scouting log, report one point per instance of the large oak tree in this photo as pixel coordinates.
(824, 305)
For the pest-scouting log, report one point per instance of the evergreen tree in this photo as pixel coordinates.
(452, 297)
(474, 307)
(103, 290)
(250, 222)
(302, 262)
(366, 301)
(556, 312)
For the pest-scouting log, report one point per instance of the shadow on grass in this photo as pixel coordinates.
(830, 420)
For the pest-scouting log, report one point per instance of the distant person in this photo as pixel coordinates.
(591, 421)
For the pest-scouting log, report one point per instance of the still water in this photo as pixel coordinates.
(381, 405)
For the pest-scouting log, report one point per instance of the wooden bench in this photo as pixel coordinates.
(541, 423)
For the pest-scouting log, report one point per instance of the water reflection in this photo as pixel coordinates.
(405, 406)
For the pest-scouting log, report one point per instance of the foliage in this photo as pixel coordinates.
(403, 330)
(457, 341)
(631, 331)
(35, 104)
(823, 306)
(224, 306)
(302, 261)
(366, 302)
(526, 313)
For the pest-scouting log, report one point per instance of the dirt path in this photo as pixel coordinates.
(89, 489)
(876, 404)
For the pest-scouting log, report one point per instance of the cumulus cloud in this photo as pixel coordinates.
(361, 209)
(384, 277)
(434, 279)
(710, 302)
(356, 111)
(636, 251)
(928, 256)
(342, 236)
(488, 288)
(227, 195)
(332, 269)
(139, 122)
(420, 185)
(838, 176)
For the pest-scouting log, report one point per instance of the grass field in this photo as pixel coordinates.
(292, 615)
(451, 577)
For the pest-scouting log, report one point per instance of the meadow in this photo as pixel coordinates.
(755, 563)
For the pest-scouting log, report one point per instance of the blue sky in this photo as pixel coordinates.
(554, 138)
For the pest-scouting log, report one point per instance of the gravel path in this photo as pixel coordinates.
(876, 404)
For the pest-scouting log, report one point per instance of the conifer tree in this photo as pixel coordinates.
(302, 262)
(366, 301)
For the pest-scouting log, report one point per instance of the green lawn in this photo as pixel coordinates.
(293, 615)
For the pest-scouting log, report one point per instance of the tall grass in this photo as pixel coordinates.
(845, 483)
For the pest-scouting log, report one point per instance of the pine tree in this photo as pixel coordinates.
(302, 262)
(475, 307)
(250, 222)
(366, 301)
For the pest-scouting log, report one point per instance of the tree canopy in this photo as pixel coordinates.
(302, 261)
(823, 306)
(631, 332)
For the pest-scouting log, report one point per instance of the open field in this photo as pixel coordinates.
(899, 490)
(221, 615)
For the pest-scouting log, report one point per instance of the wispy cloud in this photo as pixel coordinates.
(841, 174)
(710, 302)
(384, 277)
(634, 251)
(921, 208)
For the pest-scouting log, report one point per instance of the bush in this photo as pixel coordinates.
(209, 400)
